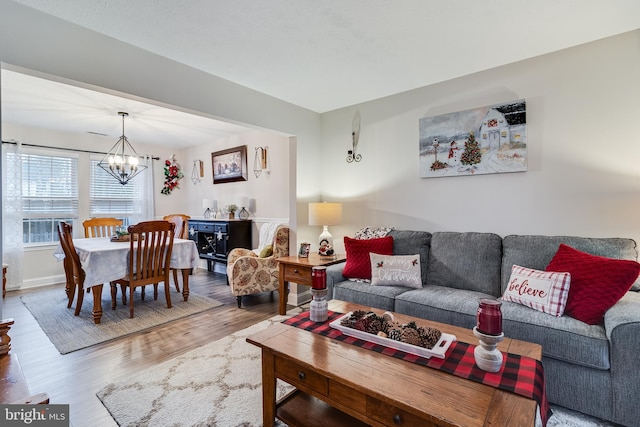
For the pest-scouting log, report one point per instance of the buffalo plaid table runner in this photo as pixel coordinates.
(519, 374)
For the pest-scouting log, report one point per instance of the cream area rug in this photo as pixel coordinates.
(70, 333)
(219, 384)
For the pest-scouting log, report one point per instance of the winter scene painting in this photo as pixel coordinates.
(483, 140)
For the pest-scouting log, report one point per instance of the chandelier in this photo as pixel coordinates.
(122, 161)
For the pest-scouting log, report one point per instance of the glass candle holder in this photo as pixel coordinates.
(319, 277)
(489, 319)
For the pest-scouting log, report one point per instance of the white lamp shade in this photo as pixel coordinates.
(244, 202)
(209, 204)
(325, 213)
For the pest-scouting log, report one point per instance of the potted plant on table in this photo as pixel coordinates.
(232, 210)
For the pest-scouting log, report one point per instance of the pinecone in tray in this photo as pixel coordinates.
(410, 333)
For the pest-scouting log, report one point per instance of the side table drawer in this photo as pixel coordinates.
(300, 377)
(390, 415)
(297, 274)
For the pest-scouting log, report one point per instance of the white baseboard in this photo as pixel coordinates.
(297, 299)
(39, 282)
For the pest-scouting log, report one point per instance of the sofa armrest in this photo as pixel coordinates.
(625, 313)
(334, 275)
(622, 326)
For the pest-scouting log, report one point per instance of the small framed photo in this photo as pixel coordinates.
(304, 250)
(229, 165)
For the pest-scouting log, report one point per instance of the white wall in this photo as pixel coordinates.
(583, 173)
(268, 193)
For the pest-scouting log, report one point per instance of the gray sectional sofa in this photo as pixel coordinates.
(593, 369)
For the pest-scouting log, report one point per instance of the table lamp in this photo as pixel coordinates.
(325, 214)
(244, 203)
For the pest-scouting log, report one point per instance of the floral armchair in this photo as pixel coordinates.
(248, 273)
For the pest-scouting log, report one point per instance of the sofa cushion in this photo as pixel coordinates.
(442, 304)
(407, 242)
(358, 265)
(562, 338)
(396, 270)
(468, 261)
(597, 282)
(536, 251)
(545, 291)
(382, 297)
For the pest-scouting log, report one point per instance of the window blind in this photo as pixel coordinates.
(49, 186)
(108, 197)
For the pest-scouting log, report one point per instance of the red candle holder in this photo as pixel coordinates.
(319, 277)
(489, 319)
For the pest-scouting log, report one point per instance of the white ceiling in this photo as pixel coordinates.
(42, 103)
(328, 54)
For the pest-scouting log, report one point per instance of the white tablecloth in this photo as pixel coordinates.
(104, 261)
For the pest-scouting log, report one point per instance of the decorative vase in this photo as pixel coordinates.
(232, 215)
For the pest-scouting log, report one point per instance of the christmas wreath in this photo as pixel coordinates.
(172, 174)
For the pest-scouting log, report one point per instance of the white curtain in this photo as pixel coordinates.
(144, 204)
(12, 246)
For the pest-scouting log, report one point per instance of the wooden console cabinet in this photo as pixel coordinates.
(215, 238)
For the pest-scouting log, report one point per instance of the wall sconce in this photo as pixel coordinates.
(260, 161)
(210, 207)
(352, 155)
(198, 172)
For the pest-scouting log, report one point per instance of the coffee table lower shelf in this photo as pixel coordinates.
(301, 409)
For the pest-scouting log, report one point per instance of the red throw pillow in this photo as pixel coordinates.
(358, 265)
(597, 283)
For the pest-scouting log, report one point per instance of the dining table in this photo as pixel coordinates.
(105, 261)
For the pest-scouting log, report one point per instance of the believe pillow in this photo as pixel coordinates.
(545, 291)
(597, 282)
(399, 270)
(358, 265)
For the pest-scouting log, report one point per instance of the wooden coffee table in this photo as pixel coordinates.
(339, 384)
(298, 270)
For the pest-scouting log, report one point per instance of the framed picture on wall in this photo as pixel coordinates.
(484, 140)
(229, 165)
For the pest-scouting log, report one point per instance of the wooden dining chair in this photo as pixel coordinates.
(101, 227)
(182, 232)
(72, 266)
(151, 243)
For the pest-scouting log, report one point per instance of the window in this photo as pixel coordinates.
(49, 194)
(108, 198)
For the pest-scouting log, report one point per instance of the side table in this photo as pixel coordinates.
(298, 270)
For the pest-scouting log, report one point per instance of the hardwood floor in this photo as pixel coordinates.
(75, 378)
